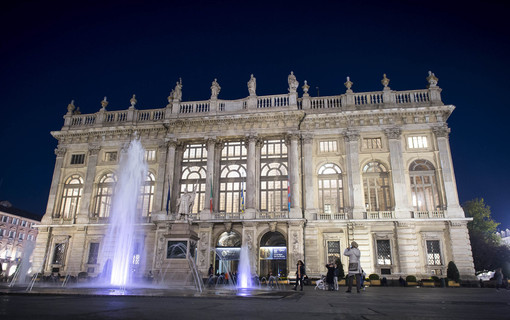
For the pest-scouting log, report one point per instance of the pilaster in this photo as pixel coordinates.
(355, 187)
(310, 209)
(85, 209)
(295, 183)
(60, 152)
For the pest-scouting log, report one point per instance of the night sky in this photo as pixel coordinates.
(52, 52)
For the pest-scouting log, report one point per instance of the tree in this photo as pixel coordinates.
(452, 272)
(488, 253)
(482, 223)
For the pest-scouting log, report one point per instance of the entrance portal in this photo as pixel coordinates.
(228, 250)
(273, 255)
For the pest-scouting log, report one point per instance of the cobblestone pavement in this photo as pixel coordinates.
(373, 303)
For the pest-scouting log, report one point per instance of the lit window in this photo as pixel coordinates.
(417, 142)
(146, 195)
(78, 158)
(110, 156)
(194, 168)
(328, 146)
(273, 177)
(376, 185)
(71, 197)
(232, 177)
(150, 155)
(104, 195)
(433, 253)
(424, 191)
(383, 252)
(330, 189)
(372, 143)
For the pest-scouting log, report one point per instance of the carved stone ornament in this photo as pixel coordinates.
(385, 81)
(60, 151)
(432, 79)
(71, 107)
(293, 83)
(441, 131)
(305, 88)
(250, 138)
(172, 143)
(272, 226)
(133, 101)
(177, 92)
(228, 226)
(94, 150)
(348, 84)
(252, 85)
(215, 89)
(307, 138)
(351, 136)
(393, 133)
(104, 104)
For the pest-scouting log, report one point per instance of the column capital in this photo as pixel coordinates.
(60, 151)
(351, 136)
(441, 131)
(307, 138)
(251, 138)
(94, 149)
(291, 136)
(393, 133)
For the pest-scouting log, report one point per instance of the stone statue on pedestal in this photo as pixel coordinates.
(252, 85)
(177, 92)
(293, 83)
(215, 89)
(185, 204)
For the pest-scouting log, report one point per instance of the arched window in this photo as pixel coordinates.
(71, 196)
(104, 195)
(330, 189)
(376, 186)
(194, 168)
(423, 186)
(233, 177)
(273, 176)
(147, 195)
(229, 239)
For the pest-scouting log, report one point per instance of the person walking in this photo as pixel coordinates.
(300, 273)
(354, 266)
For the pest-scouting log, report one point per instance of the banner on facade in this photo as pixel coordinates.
(273, 253)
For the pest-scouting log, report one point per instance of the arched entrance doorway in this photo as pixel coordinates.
(273, 254)
(228, 250)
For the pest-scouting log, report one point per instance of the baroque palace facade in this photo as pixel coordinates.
(290, 177)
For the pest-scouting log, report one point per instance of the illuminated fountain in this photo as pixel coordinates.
(245, 276)
(124, 214)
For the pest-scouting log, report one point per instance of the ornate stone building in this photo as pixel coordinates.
(291, 177)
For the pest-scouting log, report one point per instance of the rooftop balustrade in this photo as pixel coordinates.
(349, 101)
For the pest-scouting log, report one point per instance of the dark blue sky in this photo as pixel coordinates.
(52, 52)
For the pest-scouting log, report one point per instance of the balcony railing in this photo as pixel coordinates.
(331, 216)
(380, 215)
(437, 214)
(348, 101)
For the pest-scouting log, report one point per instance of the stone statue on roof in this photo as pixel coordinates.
(178, 90)
(293, 83)
(215, 89)
(252, 85)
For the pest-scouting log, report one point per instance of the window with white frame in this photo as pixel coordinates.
(383, 252)
(424, 190)
(21, 236)
(326, 146)
(434, 253)
(372, 143)
(274, 176)
(104, 195)
(5, 219)
(194, 168)
(376, 184)
(110, 156)
(330, 189)
(147, 195)
(12, 234)
(233, 177)
(417, 142)
(71, 197)
(23, 223)
(150, 155)
(78, 158)
(15, 220)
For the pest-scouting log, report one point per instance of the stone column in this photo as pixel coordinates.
(258, 148)
(402, 207)
(158, 204)
(88, 185)
(354, 182)
(251, 142)
(295, 182)
(174, 169)
(450, 186)
(296, 243)
(461, 252)
(209, 183)
(308, 173)
(204, 247)
(55, 182)
(407, 248)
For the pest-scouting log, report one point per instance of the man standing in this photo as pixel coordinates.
(354, 266)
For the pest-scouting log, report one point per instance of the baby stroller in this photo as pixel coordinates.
(321, 284)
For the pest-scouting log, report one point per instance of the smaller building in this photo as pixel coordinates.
(18, 232)
(505, 236)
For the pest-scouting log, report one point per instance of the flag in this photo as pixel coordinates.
(168, 198)
(211, 198)
(242, 195)
(288, 191)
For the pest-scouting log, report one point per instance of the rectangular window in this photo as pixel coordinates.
(433, 253)
(383, 252)
(23, 223)
(93, 253)
(58, 254)
(372, 143)
(21, 236)
(417, 142)
(78, 158)
(150, 155)
(5, 219)
(15, 220)
(12, 234)
(333, 251)
(110, 156)
(328, 146)
(176, 249)
(2, 232)
(30, 237)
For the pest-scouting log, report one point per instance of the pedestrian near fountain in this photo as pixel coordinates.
(330, 276)
(300, 273)
(354, 266)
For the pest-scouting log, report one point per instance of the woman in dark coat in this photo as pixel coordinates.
(300, 273)
(329, 276)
